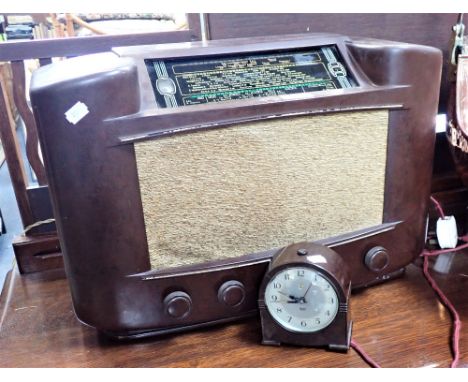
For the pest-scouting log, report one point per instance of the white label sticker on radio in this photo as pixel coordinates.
(77, 112)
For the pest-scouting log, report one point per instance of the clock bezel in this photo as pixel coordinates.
(315, 270)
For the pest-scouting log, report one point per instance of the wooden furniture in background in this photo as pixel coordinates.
(399, 323)
(38, 253)
(6, 79)
(6, 84)
(34, 200)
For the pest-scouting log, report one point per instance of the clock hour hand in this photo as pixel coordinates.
(292, 299)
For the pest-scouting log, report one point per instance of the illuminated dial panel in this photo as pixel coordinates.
(182, 82)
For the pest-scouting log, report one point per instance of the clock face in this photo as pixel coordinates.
(301, 299)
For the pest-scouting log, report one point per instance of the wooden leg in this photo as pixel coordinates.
(13, 157)
(19, 94)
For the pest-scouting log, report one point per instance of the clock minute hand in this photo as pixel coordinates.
(307, 290)
(302, 299)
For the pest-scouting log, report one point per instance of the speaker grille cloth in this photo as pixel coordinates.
(229, 191)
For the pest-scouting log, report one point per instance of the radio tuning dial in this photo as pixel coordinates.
(177, 304)
(377, 259)
(231, 293)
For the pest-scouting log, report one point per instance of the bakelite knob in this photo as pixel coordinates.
(231, 293)
(177, 304)
(377, 259)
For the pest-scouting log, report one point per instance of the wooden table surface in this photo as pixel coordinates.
(399, 323)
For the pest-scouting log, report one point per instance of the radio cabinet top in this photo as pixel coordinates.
(178, 171)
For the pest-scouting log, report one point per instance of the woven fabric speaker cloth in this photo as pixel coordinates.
(225, 192)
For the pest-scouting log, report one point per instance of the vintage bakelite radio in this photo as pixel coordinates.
(178, 172)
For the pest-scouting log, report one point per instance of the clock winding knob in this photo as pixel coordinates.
(177, 304)
(231, 293)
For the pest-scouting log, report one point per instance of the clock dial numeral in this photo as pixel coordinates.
(303, 324)
(277, 285)
(300, 273)
(274, 297)
(286, 276)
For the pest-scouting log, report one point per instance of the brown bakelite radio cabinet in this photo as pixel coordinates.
(178, 172)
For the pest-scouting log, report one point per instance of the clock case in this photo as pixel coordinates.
(328, 263)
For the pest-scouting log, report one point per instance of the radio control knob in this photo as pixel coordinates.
(377, 259)
(231, 293)
(178, 304)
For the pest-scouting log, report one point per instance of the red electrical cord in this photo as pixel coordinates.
(442, 297)
(438, 207)
(438, 252)
(363, 354)
(451, 308)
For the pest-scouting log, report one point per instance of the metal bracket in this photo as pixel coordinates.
(458, 40)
